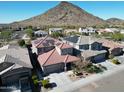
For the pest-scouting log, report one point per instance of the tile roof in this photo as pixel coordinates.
(17, 55)
(41, 32)
(64, 45)
(45, 41)
(81, 39)
(55, 29)
(110, 44)
(91, 53)
(5, 65)
(105, 30)
(53, 57)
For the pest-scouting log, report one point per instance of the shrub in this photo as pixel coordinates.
(56, 34)
(34, 77)
(102, 67)
(92, 69)
(45, 83)
(115, 61)
(21, 43)
(35, 81)
(29, 32)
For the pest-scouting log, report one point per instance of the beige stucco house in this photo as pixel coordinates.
(15, 68)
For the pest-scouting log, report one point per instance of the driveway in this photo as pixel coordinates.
(60, 79)
(85, 81)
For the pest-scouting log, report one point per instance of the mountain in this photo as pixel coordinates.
(115, 21)
(63, 14)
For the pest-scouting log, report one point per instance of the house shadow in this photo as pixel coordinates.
(99, 61)
(52, 85)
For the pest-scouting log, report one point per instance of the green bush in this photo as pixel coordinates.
(56, 34)
(29, 32)
(45, 83)
(34, 77)
(117, 36)
(21, 43)
(92, 69)
(102, 67)
(115, 61)
(6, 35)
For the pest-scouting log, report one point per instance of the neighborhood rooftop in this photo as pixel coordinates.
(91, 53)
(110, 44)
(16, 55)
(46, 41)
(81, 39)
(64, 45)
(5, 65)
(53, 57)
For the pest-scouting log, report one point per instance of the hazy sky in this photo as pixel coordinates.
(20, 10)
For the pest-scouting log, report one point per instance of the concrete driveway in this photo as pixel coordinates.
(60, 79)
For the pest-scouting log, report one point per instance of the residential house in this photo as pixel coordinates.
(100, 31)
(15, 68)
(70, 30)
(58, 59)
(89, 46)
(112, 47)
(52, 30)
(94, 55)
(87, 30)
(40, 33)
(83, 42)
(44, 44)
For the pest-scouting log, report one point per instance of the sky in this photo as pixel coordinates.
(11, 11)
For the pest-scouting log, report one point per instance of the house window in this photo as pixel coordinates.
(84, 47)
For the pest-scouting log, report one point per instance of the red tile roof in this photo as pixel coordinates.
(110, 44)
(53, 57)
(46, 41)
(104, 30)
(64, 45)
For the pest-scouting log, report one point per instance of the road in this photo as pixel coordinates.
(83, 82)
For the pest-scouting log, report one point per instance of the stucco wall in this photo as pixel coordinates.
(96, 46)
(116, 51)
(85, 46)
(67, 51)
(64, 51)
(34, 49)
(13, 76)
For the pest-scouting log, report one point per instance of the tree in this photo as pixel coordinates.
(90, 68)
(77, 67)
(29, 32)
(117, 36)
(6, 35)
(21, 43)
(56, 34)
